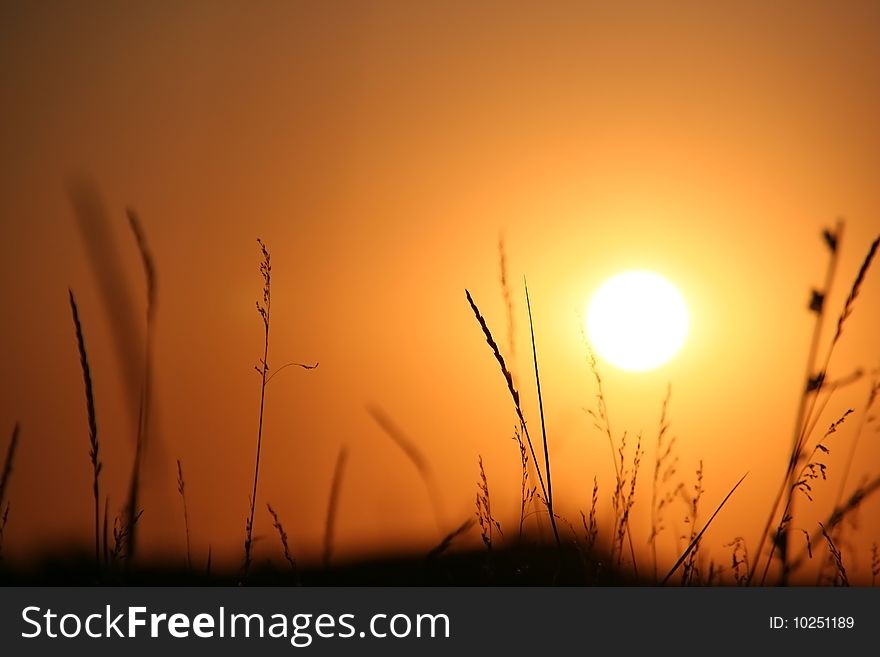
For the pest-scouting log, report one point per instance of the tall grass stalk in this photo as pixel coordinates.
(840, 577)
(591, 526)
(109, 270)
(181, 489)
(4, 518)
(7, 464)
(514, 393)
(333, 504)
(447, 540)
(508, 377)
(144, 411)
(262, 368)
(821, 378)
(415, 456)
(4, 481)
(810, 386)
(282, 535)
(543, 424)
(508, 298)
(94, 445)
(873, 393)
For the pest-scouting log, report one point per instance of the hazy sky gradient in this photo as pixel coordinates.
(379, 149)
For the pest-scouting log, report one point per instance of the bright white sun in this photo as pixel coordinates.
(637, 320)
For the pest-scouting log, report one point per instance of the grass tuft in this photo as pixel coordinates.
(690, 573)
(591, 525)
(488, 523)
(665, 464)
(602, 422)
(627, 500)
(693, 544)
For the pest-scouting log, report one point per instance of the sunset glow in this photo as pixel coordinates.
(637, 320)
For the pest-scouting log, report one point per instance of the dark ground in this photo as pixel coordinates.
(533, 565)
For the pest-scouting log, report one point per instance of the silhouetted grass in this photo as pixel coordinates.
(415, 456)
(447, 541)
(264, 310)
(181, 489)
(4, 482)
(585, 560)
(522, 565)
(665, 463)
(626, 500)
(8, 462)
(508, 377)
(695, 541)
(873, 393)
(816, 380)
(333, 504)
(549, 491)
(94, 445)
(840, 577)
(603, 424)
(282, 535)
(841, 512)
(145, 409)
(488, 524)
(875, 563)
(591, 525)
(508, 298)
(527, 491)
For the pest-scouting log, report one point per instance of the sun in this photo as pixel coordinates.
(637, 320)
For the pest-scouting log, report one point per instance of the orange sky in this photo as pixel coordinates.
(379, 149)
